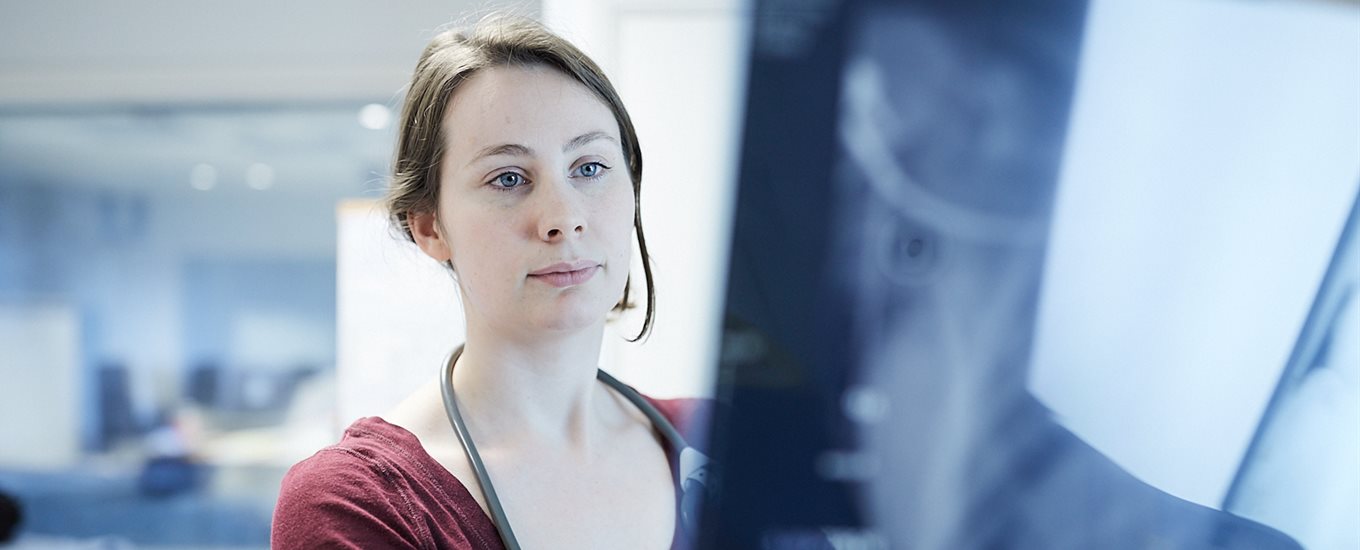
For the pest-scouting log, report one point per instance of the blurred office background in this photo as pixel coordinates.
(197, 288)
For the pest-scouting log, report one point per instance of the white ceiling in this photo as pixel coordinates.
(68, 51)
(133, 94)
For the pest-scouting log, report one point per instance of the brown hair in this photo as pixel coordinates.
(449, 60)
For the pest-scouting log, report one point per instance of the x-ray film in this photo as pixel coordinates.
(898, 172)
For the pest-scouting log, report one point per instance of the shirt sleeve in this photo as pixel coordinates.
(340, 498)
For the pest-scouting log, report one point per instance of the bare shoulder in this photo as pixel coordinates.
(689, 415)
(417, 413)
(422, 414)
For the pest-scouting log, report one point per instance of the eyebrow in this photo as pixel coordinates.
(515, 149)
(579, 141)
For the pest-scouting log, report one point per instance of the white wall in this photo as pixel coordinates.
(1213, 154)
(397, 315)
(41, 367)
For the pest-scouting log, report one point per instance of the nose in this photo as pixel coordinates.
(561, 214)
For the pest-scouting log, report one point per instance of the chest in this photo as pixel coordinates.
(624, 497)
(623, 503)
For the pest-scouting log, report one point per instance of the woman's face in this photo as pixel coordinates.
(536, 203)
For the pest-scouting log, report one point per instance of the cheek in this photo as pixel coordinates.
(621, 243)
(618, 214)
(479, 262)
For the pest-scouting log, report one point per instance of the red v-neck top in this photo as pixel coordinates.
(379, 488)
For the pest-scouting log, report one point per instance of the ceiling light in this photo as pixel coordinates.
(375, 116)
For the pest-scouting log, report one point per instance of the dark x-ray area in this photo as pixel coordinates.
(896, 203)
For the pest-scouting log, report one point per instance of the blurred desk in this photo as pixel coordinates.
(104, 508)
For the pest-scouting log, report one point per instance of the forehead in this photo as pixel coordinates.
(536, 106)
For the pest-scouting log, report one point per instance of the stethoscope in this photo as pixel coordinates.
(692, 472)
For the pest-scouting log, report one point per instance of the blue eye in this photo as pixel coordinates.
(591, 170)
(508, 180)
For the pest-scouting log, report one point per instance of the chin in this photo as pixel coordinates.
(568, 325)
(576, 309)
(572, 316)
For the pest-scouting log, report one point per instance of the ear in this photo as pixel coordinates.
(429, 236)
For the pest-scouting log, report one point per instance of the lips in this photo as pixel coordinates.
(565, 274)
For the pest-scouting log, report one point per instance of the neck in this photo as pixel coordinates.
(523, 391)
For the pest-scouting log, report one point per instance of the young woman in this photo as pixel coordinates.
(517, 168)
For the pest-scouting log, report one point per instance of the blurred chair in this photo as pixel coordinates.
(117, 417)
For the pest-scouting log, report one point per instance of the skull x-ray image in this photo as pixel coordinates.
(898, 175)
